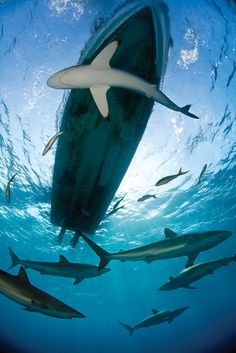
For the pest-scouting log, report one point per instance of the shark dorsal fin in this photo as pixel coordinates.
(23, 275)
(169, 233)
(104, 57)
(154, 311)
(63, 259)
(171, 278)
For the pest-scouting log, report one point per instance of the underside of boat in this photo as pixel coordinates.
(94, 153)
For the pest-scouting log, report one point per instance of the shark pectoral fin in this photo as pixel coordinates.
(149, 259)
(170, 320)
(104, 57)
(100, 98)
(169, 233)
(191, 259)
(77, 280)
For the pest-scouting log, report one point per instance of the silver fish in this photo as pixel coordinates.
(51, 142)
(168, 178)
(8, 190)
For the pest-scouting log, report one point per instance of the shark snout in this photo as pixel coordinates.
(165, 286)
(225, 235)
(54, 80)
(181, 310)
(78, 314)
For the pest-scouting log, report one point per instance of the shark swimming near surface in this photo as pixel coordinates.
(19, 289)
(99, 77)
(189, 244)
(157, 317)
(62, 268)
(191, 274)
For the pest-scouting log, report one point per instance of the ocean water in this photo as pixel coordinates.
(37, 38)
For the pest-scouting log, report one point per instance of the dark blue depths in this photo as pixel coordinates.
(200, 71)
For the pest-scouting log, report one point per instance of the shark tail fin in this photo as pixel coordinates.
(14, 259)
(185, 110)
(181, 172)
(105, 256)
(128, 327)
(234, 257)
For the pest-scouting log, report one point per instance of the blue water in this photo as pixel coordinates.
(38, 38)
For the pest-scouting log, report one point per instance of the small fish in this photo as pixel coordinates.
(201, 174)
(168, 178)
(51, 142)
(8, 191)
(114, 210)
(146, 197)
(118, 202)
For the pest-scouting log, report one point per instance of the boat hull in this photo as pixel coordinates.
(93, 154)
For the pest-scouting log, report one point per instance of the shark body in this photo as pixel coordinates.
(19, 289)
(99, 77)
(62, 268)
(190, 245)
(157, 317)
(194, 273)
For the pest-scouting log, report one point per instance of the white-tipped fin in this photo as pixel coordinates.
(104, 57)
(100, 98)
(169, 233)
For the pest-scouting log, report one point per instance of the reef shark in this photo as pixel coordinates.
(194, 273)
(190, 245)
(99, 77)
(19, 289)
(157, 317)
(62, 268)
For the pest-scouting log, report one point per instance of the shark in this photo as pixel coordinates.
(99, 76)
(157, 317)
(19, 289)
(191, 274)
(62, 268)
(173, 245)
